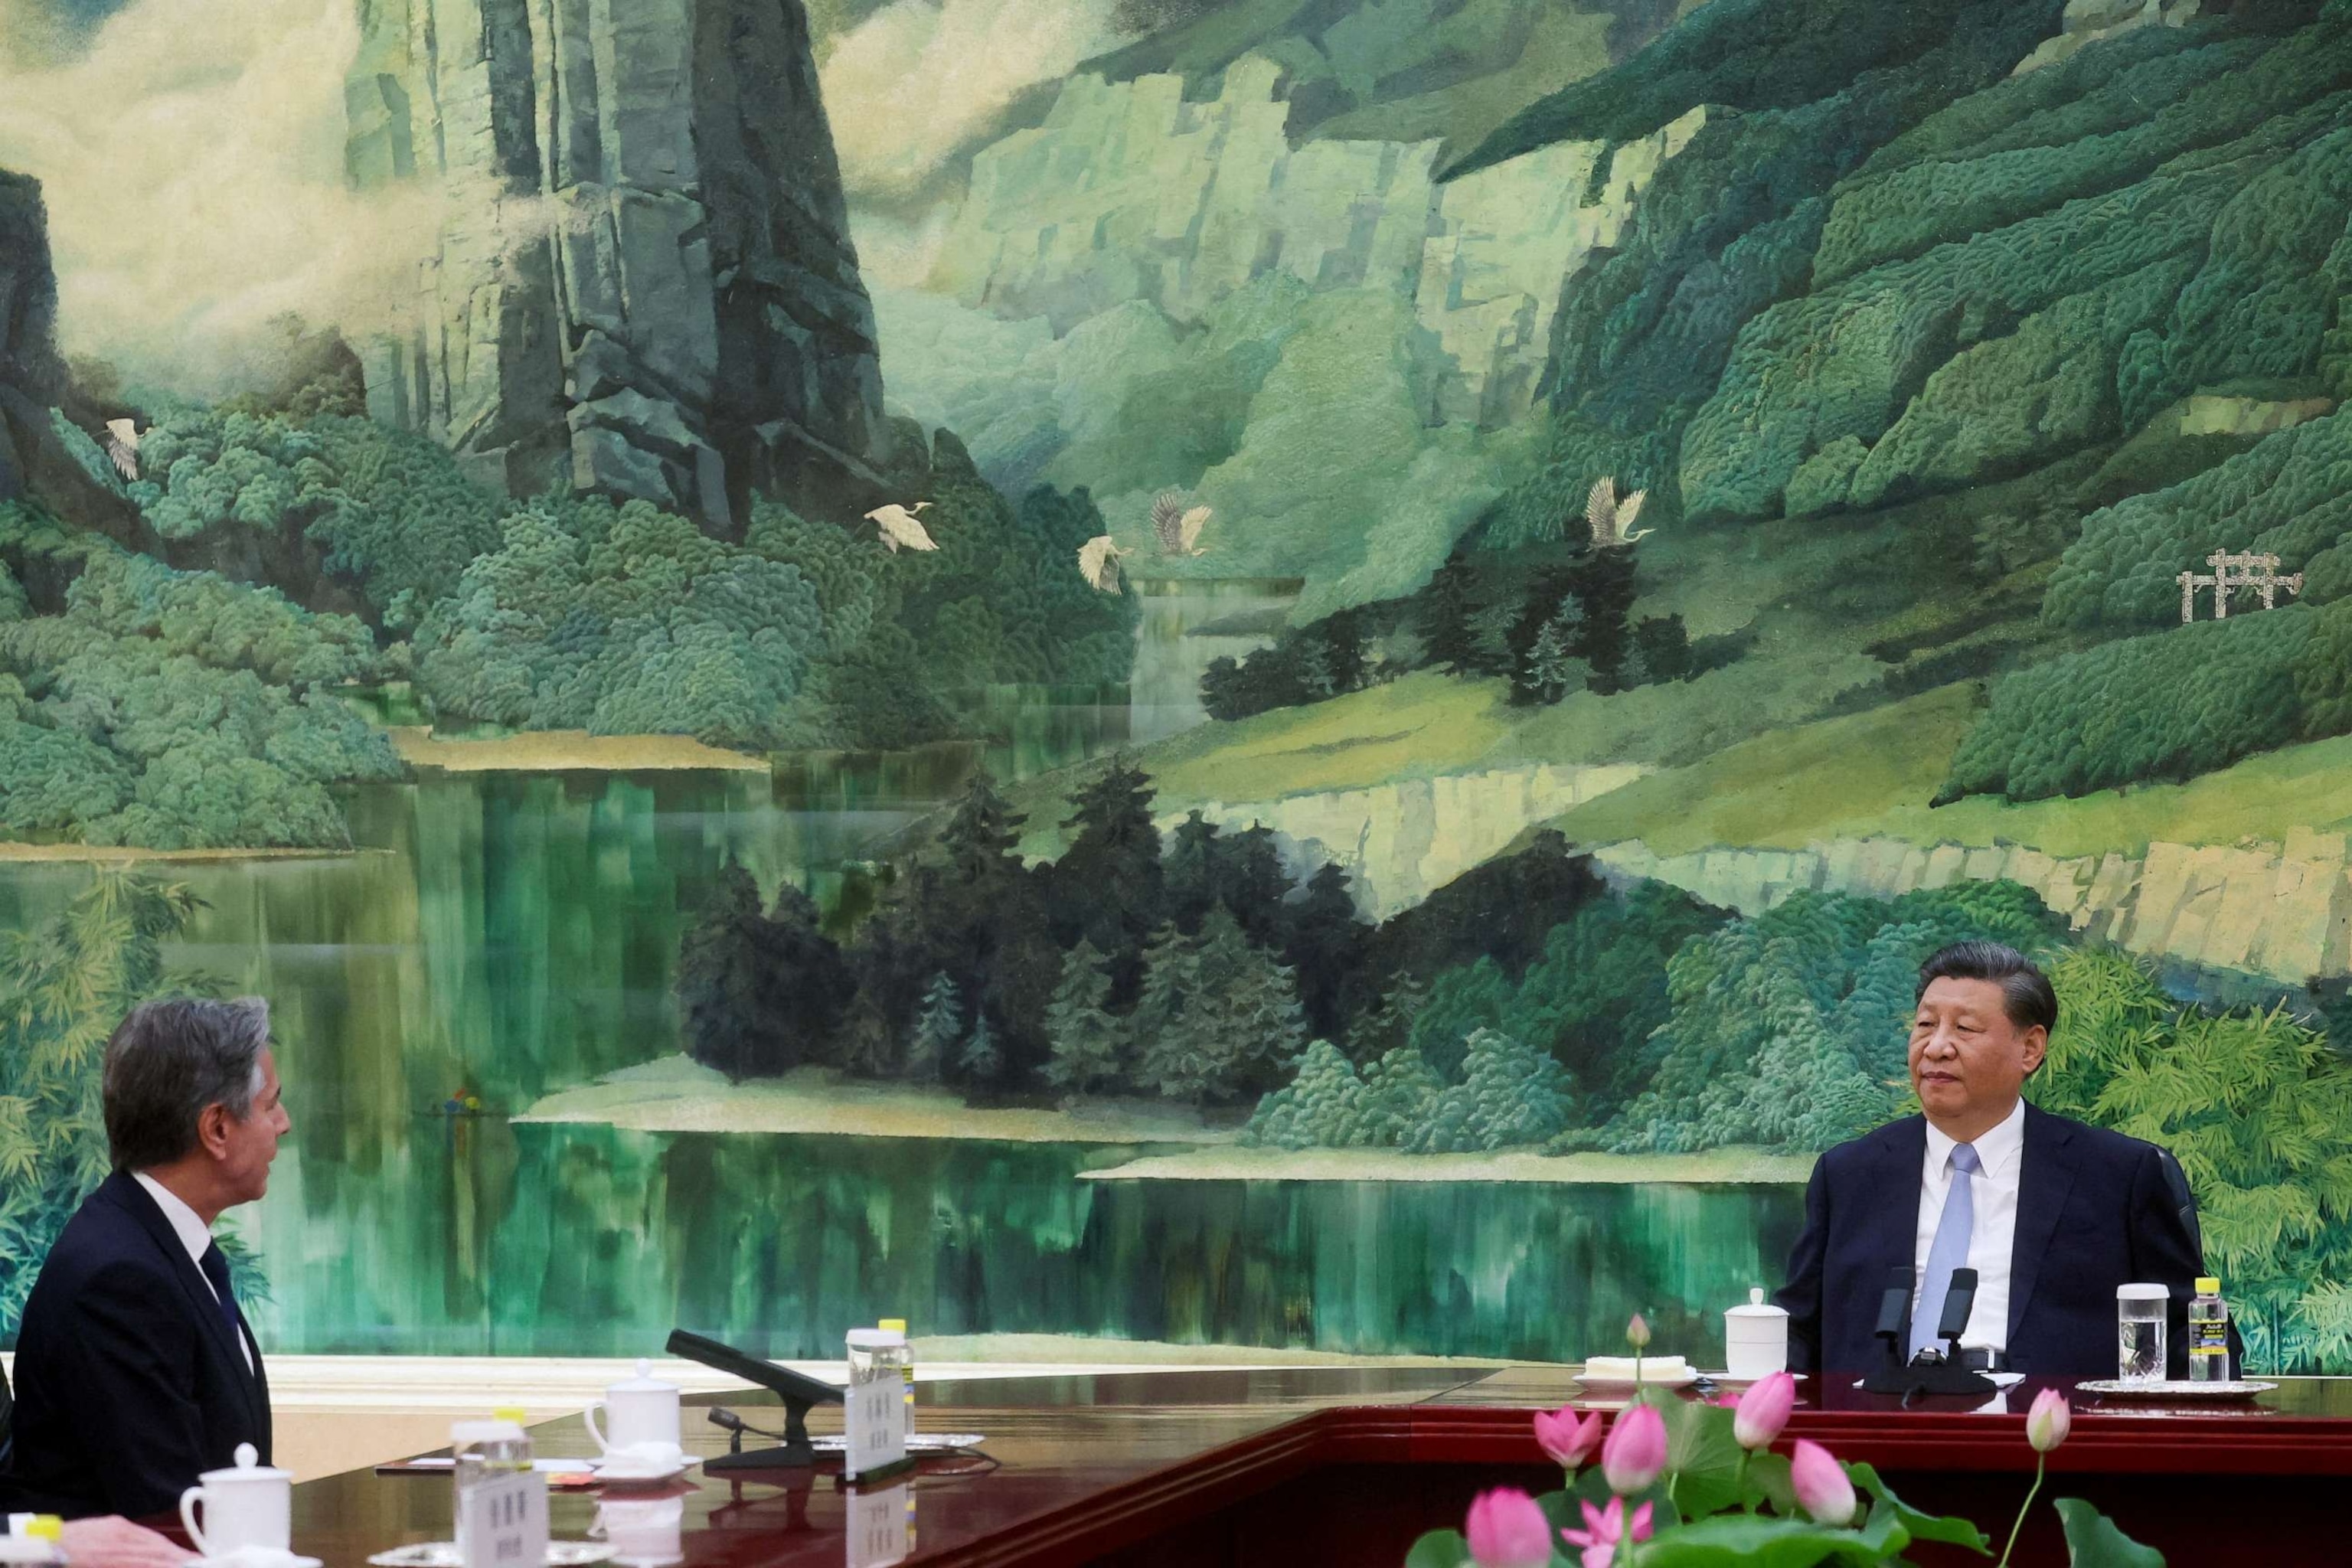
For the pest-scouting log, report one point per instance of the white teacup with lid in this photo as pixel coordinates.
(1754, 1338)
(251, 1506)
(640, 1429)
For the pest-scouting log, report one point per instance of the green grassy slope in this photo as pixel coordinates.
(1873, 772)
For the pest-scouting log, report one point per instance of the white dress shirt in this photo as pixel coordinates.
(2001, 1154)
(193, 1234)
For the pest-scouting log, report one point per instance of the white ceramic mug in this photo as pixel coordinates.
(1754, 1338)
(641, 1419)
(251, 1505)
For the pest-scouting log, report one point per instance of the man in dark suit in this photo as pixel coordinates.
(2053, 1214)
(135, 1371)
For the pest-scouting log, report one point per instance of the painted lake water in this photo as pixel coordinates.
(503, 935)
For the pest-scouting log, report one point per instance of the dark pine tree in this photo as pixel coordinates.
(1446, 613)
(806, 984)
(980, 919)
(981, 1065)
(937, 1036)
(1663, 645)
(1604, 588)
(1193, 866)
(1089, 1043)
(1323, 942)
(894, 961)
(1223, 1019)
(1550, 590)
(1343, 651)
(722, 964)
(1550, 671)
(1251, 882)
(1107, 888)
(1386, 1026)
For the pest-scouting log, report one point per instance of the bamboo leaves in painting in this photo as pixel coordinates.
(2255, 1104)
(64, 985)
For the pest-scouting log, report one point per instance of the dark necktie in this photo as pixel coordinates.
(215, 1263)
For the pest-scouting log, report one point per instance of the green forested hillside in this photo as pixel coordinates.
(1930, 351)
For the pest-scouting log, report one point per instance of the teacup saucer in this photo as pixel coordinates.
(634, 1469)
(258, 1557)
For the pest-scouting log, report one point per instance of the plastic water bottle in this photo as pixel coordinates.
(485, 1451)
(35, 1542)
(487, 1448)
(2208, 1333)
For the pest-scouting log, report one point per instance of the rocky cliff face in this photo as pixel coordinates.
(2090, 22)
(34, 386)
(642, 278)
(1401, 842)
(2281, 910)
(1129, 192)
(30, 376)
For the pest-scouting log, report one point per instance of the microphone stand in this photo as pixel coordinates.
(794, 1391)
(1935, 1372)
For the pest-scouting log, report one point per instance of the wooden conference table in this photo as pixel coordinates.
(1330, 1468)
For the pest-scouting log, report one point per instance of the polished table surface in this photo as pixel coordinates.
(1247, 1465)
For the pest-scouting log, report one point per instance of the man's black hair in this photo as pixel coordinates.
(2026, 994)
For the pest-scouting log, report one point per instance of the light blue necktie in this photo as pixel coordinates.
(1949, 1250)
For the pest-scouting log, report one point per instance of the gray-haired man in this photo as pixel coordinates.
(134, 1369)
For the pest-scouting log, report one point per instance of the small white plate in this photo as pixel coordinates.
(1609, 1386)
(251, 1558)
(2177, 1391)
(445, 1555)
(634, 1473)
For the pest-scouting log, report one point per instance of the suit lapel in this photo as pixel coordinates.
(1891, 1235)
(134, 1198)
(2045, 1175)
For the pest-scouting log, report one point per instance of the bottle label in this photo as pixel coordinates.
(877, 1421)
(505, 1521)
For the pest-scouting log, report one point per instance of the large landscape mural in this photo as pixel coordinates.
(1167, 678)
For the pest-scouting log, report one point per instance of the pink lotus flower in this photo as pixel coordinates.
(1605, 1530)
(2047, 1424)
(1637, 1332)
(1764, 1410)
(1635, 1453)
(1508, 1530)
(1568, 1442)
(1823, 1488)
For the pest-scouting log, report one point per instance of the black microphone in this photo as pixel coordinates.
(1896, 1305)
(1958, 1301)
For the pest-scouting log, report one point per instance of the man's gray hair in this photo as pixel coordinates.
(170, 1059)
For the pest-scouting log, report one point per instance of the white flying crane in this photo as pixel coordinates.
(1612, 520)
(1098, 563)
(899, 528)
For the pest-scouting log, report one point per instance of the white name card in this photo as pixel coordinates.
(882, 1526)
(875, 1421)
(504, 1522)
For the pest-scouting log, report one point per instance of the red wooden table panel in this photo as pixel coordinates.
(1336, 1466)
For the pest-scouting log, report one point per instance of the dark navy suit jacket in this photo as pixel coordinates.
(2095, 1210)
(128, 1381)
